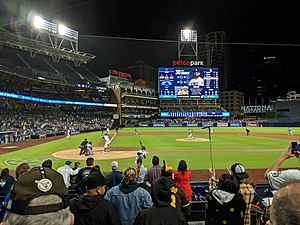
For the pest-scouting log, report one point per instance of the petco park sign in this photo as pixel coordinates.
(257, 108)
(187, 63)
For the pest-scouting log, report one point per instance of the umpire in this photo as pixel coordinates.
(83, 146)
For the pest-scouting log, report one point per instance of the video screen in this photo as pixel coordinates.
(188, 83)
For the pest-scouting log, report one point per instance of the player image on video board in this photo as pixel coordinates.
(188, 83)
(196, 84)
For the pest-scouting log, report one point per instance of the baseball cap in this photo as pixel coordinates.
(114, 165)
(167, 170)
(68, 162)
(37, 182)
(96, 179)
(239, 171)
(196, 70)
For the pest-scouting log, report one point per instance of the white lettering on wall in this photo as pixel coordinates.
(257, 108)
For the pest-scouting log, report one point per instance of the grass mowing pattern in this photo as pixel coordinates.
(159, 144)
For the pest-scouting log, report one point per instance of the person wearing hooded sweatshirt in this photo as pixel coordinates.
(225, 205)
(129, 197)
(162, 211)
(179, 199)
(91, 208)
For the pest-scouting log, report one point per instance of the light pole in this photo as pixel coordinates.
(210, 147)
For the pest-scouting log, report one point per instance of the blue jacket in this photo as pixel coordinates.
(116, 177)
(129, 200)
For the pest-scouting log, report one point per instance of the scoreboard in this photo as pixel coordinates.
(175, 83)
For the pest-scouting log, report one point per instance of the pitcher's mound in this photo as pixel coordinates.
(192, 139)
(97, 154)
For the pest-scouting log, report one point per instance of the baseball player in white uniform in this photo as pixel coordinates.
(190, 134)
(141, 154)
(68, 133)
(107, 143)
(290, 131)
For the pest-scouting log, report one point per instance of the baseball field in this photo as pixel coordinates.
(225, 146)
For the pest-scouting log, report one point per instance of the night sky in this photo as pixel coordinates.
(115, 31)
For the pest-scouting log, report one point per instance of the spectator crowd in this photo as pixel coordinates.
(139, 196)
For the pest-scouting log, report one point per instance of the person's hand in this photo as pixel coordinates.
(229, 171)
(268, 222)
(297, 154)
(212, 171)
(287, 153)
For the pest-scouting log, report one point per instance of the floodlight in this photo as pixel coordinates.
(62, 29)
(73, 34)
(188, 35)
(38, 22)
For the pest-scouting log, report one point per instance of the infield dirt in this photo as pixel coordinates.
(255, 175)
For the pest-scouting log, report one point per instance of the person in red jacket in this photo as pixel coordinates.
(182, 178)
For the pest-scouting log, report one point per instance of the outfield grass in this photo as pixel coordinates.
(263, 150)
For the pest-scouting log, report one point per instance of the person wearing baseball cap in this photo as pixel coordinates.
(181, 202)
(197, 80)
(246, 189)
(239, 171)
(39, 196)
(91, 208)
(115, 175)
(66, 171)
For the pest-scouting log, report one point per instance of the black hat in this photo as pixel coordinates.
(196, 70)
(37, 182)
(68, 162)
(96, 179)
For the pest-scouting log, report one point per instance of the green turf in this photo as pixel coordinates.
(197, 154)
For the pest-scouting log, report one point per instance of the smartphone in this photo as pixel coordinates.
(295, 147)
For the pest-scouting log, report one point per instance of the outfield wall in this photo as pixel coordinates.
(265, 123)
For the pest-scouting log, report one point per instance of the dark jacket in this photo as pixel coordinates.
(94, 210)
(225, 207)
(180, 201)
(161, 212)
(5, 185)
(116, 178)
(79, 185)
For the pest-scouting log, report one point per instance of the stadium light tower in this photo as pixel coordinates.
(58, 34)
(38, 22)
(188, 45)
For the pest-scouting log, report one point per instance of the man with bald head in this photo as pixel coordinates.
(285, 207)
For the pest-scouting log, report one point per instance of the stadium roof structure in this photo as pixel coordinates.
(35, 46)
